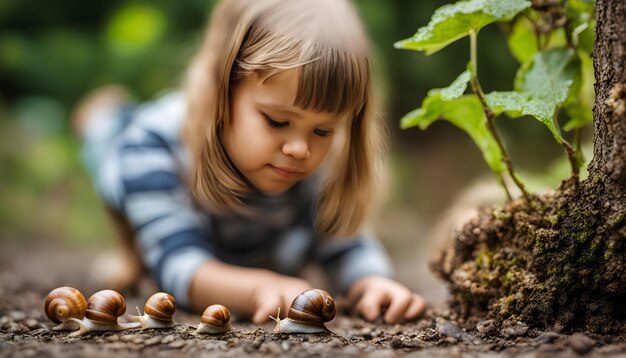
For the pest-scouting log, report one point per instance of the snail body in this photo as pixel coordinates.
(158, 312)
(103, 309)
(64, 303)
(215, 319)
(307, 314)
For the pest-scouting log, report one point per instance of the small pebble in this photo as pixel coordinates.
(257, 343)
(129, 337)
(580, 343)
(117, 345)
(450, 329)
(366, 332)
(17, 315)
(546, 337)
(396, 343)
(177, 344)
(138, 340)
(271, 348)
(486, 327)
(16, 328)
(32, 323)
(335, 343)
(167, 339)
(113, 338)
(515, 330)
(152, 341)
(285, 346)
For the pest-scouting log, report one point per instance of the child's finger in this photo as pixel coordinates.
(370, 303)
(268, 307)
(416, 308)
(355, 293)
(398, 306)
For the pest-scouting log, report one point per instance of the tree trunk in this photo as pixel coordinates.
(560, 264)
(609, 54)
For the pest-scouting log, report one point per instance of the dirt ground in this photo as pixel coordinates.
(28, 271)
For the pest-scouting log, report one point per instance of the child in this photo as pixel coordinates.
(267, 161)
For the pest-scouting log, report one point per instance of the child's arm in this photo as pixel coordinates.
(360, 268)
(254, 292)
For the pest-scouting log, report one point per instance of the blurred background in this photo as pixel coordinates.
(52, 52)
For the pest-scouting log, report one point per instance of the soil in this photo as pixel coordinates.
(554, 264)
(29, 270)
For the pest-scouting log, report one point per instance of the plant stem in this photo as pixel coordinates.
(571, 153)
(573, 160)
(476, 88)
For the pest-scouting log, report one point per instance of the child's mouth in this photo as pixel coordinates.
(287, 173)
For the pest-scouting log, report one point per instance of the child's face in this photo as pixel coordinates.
(273, 143)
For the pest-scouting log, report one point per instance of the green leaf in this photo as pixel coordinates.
(429, 112)
(458, 86)
(549, 75)
(522, 41)
(454, 21)
(541, 86)
(465, 112)
(431, 107)
(517, 104)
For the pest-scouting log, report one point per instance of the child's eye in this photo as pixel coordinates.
(275, 124)
(321, 132)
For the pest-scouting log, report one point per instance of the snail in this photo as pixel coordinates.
(158, 312)
(215, 319)
(308, 313)
(64, 303)
(103, 309)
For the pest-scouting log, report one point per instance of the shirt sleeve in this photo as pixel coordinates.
(346, 260)
(143, 180)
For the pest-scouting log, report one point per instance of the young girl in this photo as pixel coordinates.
(267, 161)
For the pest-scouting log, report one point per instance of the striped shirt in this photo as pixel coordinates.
(137, 161)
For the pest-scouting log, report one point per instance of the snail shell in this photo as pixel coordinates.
(105, 306)
(158, 311)
(308, 313)
(103, 309)
(160, 306)
(62, 303)
(215, 319)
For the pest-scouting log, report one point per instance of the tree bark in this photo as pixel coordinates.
(609, 55)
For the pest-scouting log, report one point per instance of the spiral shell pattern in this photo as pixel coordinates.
(105, 306)
(63, 303)
(313, 306)
(160, 306)
(216, 316)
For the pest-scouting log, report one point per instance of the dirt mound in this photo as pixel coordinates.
(554, 264)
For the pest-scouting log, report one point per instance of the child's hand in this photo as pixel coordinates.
(370, 293)
(276, 291)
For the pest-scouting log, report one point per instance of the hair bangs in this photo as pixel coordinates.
(332, 80)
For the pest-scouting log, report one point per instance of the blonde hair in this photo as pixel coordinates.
(325, 40)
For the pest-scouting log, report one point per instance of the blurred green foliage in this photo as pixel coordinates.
(52, 52)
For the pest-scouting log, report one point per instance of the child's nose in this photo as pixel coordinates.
(296, 148)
